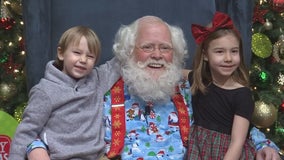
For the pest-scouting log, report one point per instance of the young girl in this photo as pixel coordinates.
(65, 108)
(221, 98)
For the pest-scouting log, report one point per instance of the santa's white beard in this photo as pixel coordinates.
(143, 85)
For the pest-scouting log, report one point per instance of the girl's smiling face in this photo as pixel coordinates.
(223, 56)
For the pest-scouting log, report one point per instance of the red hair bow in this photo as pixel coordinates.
(220, 20)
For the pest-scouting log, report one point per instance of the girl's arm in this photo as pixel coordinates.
(238, 137)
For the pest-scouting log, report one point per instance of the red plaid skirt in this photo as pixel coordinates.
(206, 144)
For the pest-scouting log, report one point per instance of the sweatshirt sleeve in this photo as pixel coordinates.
(108, 74)
(34, 118)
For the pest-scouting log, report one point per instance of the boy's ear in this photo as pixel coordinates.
(60, 53)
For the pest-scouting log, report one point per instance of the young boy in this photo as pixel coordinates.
(65, 108)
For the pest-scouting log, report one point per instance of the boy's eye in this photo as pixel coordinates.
(76, 52)
(91, 56)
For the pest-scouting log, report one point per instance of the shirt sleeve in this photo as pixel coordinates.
(260, 141)
(244, 103)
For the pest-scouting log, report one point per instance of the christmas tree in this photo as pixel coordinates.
(13, 91)
(267, 68)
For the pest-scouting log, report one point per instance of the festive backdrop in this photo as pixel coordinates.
(13, 91)
(266, 68)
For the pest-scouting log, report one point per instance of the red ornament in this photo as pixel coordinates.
(7, 23)
(277, 5)
(281, 107)
(258, 14)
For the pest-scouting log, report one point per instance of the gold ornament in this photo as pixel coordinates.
(7, 91)
(261, 45)
(264, 115)
(278, 50)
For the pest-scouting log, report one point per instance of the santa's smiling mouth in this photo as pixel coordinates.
(155, 65)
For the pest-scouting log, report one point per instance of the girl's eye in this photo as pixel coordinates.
(219, 51)
(235, 51)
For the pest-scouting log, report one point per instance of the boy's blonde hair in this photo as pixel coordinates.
(74, 35)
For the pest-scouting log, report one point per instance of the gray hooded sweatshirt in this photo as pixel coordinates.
(66, 114)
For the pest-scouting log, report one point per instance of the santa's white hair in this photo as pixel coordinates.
(138, 80)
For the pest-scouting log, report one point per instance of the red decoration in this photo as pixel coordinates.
(277, 5)
(281, 107)
(10, 67)
(220, 20)
(258, 14)
(7, 23)
(5, 142)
